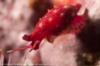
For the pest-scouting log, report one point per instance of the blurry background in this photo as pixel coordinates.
(18, 17)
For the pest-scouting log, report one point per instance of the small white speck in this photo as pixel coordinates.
(40, 19)
(40, 25)
(65, 6)
(45, 16)
(61, 14)
(48, 10)
(55, 11)
(50, 19)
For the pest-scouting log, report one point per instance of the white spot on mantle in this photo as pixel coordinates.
(55, 11)
(50, 19)
(61, 14)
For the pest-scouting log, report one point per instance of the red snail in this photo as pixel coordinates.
(54, 22)
(51, 23)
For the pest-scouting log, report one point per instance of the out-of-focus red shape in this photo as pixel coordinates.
(65, 2)
(79, 23)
